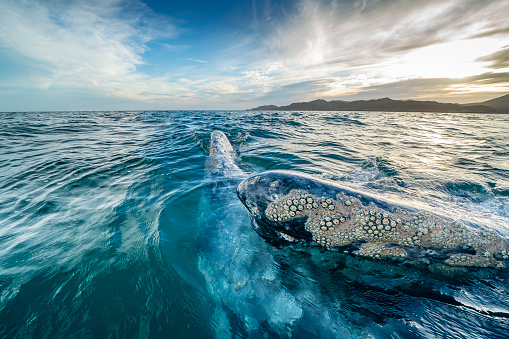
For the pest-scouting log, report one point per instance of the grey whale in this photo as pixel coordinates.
(221, 157)
(287, 207)
(238, 268)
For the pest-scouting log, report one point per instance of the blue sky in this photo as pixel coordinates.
(237, 54)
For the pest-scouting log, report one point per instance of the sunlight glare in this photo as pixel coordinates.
(456, 59)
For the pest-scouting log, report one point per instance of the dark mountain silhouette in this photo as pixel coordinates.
(389, 105)
(500, 102)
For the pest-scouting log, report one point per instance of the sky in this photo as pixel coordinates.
(239, 54)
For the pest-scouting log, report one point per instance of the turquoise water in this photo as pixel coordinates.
(111, 225)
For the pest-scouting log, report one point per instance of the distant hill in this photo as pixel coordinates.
(500, 103)
(386, 105)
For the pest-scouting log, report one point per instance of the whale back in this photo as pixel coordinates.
(288, 207)
(222, 156)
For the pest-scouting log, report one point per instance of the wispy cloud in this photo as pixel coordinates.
(292, 50)
(82, 44)
(356, 45)
(499, 59)
(440, 89)
(196, 60)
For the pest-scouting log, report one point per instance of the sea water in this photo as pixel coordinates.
(112, 225)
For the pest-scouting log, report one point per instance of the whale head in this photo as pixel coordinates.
(289, 207)
(259, 191)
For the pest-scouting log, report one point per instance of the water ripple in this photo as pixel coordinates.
(99, 220)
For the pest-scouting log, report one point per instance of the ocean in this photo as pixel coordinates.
(112, 226)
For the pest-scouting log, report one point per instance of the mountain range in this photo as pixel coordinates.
(497, 105)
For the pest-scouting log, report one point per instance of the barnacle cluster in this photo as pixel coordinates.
(379, 250)
(386, 233)
(378, 225)
(294, 205)
(473, 260)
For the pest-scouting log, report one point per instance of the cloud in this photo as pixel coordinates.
(196, 60)
(464, 90)
(291, 51)
(489, 78)
(333, 33)
(340, 48)
(498, 59)
(503, 31)
(82, 44)
(299, 91)
(99, 47)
